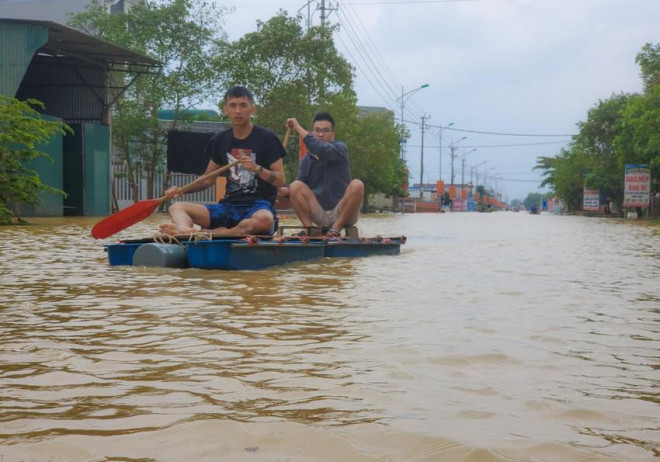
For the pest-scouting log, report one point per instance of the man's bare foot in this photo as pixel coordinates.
(175, 230)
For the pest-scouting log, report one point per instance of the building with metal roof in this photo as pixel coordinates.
(69, 72)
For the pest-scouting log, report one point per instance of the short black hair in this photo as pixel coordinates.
(324, 116)
(239, 92)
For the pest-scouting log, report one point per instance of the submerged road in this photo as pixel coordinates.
(491, 337)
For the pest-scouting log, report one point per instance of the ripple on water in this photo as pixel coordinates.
(491, 337)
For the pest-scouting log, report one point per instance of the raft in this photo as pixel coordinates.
(244, 252)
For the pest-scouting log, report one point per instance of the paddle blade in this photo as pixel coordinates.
(124, 218)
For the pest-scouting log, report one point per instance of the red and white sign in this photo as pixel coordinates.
(637, 188)
(591, 199)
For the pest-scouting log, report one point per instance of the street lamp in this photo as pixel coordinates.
(421, 160)
(486, 176)
(452, 149)
(440, 151)
(465, 154)
(403, 99)
(475, 168)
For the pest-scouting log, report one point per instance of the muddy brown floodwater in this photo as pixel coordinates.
(491, 337)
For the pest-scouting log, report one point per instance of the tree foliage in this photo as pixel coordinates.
(184, 36)
(22, 130)
(533, 199)
(292, 72)
(295, 73)
(620, 130)
(639, 139)
(648, 60)
(374, 152)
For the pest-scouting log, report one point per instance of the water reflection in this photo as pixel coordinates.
(491, 337)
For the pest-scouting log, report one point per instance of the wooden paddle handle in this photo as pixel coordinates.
(286, 137)
(186, 188)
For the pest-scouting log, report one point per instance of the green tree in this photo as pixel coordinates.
(565, 174)
(533, 199)
(292, 73)
(596, 142)
(374, 152)
(295, 73)
(286, 67)
(22, 130)
(622, 129)
(639, 139)
(184, 35)
(648, 60)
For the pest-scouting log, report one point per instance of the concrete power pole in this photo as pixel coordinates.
(326, 10)
(452, 151)
(421, 163)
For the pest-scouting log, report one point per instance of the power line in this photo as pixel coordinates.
(372, 45)
(377, 2)
(516, 180)
(357, 65)
(504, 134)
(401, 2)
(382, 76)
(497, 145)
(366, 59)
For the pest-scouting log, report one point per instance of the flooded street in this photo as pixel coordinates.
(491, 337)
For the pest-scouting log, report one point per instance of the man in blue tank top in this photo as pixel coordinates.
(252, 184)
(324, 192)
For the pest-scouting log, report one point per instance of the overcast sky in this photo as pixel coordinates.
(525, 67)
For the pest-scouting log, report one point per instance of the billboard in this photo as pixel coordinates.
(591, 199)
(637, 187)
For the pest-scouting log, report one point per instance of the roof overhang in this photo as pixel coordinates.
(66, 42)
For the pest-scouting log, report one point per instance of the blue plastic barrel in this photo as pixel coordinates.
(161, 255)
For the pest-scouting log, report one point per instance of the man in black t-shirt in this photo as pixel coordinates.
(248, 205)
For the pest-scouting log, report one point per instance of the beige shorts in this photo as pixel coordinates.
(326, 218)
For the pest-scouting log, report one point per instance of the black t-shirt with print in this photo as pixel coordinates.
(265, 149)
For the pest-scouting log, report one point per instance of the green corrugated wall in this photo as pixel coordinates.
(87, 170)
(97, 169)
(18, 43)
(50, 173)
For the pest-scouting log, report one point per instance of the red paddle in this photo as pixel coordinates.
(142, 209)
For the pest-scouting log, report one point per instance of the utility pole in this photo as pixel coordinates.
(452, 149)
(403, 127)
(323, 8)
(308, 22)
(421, 163)
(440, 152)
(452, 153)
(440, 156)
(403, 140)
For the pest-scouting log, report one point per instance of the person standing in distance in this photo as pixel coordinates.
(324, 192)
(252, 184)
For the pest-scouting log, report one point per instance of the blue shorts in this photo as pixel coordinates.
(229, 215)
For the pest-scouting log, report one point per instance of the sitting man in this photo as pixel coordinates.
(323, 192)
(252, 184)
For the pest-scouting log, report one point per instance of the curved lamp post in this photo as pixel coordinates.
(403, 99)
(440, 151)
(465, 154)
(452, 149)
(475, 168)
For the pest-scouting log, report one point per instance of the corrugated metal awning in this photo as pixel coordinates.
(66, 42)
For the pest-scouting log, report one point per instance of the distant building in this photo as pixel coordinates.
(366, 110)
